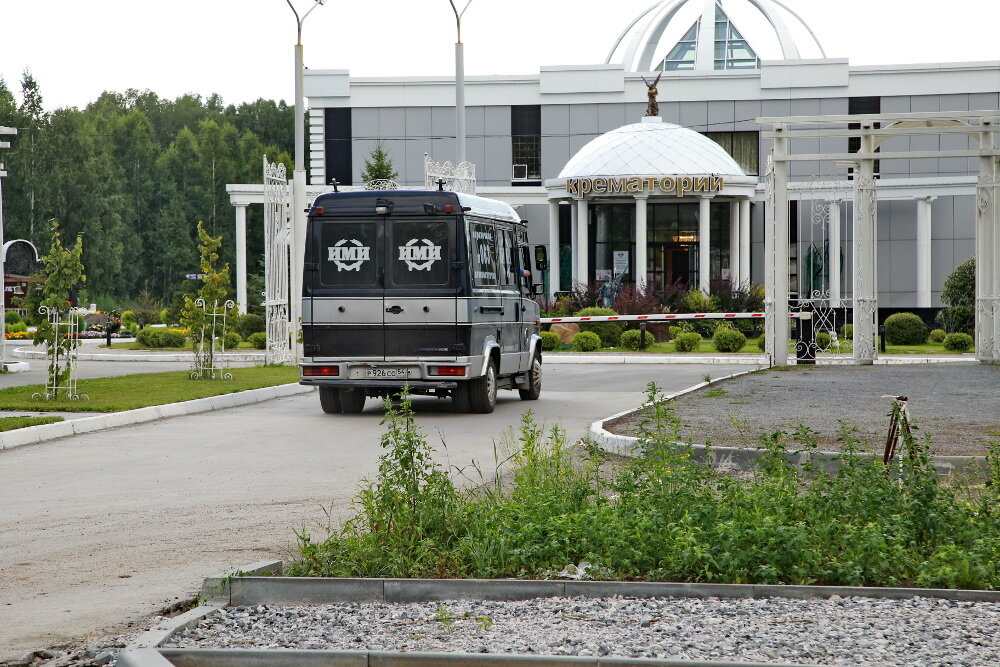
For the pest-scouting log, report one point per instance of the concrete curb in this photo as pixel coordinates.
(749, 359)
(27, 353)
(744, 458)
(32, 435)
(16, 367)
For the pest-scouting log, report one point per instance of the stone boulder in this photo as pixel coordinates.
(565, 330)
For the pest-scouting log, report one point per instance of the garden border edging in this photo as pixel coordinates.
(744, 458)
(31, 435)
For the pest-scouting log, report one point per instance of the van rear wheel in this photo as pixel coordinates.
(483, 391)
(534, 389)
(329, 400)
(352, 401)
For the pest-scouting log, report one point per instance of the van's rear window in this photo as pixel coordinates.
(420, 253)
(349, 254)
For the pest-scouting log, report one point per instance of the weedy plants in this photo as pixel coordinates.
(667, 515)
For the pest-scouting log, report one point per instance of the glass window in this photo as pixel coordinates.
(349, 254)
(526, 153)
(484, 255)
(507, 268)
(420, 253)
(744, 147)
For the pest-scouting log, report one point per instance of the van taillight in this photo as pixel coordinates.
(451, 371)
(321, 371)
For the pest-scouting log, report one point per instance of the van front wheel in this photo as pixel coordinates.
(329, 400)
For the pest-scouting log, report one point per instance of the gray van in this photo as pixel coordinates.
(428, 290)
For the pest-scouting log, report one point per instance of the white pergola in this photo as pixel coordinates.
(874, 130)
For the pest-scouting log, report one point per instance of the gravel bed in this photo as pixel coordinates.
(957, 404)
(854, 630)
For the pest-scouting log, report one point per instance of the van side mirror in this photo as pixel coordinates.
(538, 289)
(541, 257)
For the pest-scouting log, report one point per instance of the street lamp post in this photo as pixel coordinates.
(459, 83)
(298, 218)
(3, 258)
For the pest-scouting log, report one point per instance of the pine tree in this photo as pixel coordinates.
(378, 166)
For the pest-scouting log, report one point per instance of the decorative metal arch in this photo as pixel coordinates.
(459, 177)
(381, 184)
(277, 245)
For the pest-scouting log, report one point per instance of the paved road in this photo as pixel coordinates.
(104, 528)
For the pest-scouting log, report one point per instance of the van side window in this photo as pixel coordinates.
(484, 255)
(349, 254)
(508, 258)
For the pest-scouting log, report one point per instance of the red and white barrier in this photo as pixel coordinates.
(663, 317)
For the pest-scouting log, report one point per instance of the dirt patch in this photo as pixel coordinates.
(957, 405)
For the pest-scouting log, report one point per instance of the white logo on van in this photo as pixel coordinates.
(349, 257)
(419, 257)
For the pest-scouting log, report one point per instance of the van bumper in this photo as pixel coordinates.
(381, 384)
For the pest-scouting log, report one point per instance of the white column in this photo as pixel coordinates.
(704, 245)
(553, 248)
(924, 251)
(734, 243)
(641, 226)
(776, 256)
(745, 242)
(241, 258)
(987, 324)
(865, 258)
(574, 263)
(833, 236)
(582, 240)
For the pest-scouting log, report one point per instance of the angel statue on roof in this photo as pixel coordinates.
(653, 108)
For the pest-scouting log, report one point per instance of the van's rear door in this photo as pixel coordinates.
(347, 291)
(421, 287)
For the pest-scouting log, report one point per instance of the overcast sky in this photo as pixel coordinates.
(242, 49)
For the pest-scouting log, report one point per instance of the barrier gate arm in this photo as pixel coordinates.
(668, 317)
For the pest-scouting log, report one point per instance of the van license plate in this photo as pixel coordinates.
(384, 372)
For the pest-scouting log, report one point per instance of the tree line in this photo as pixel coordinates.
(135, 173)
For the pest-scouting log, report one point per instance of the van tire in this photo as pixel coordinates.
(483, 390)
(329, 400)
(352, 401)
(534, 389)
(460, 401)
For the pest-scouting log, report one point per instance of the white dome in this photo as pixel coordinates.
(651, 148)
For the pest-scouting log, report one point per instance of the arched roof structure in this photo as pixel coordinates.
(638, 47)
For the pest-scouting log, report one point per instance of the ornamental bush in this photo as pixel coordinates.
(249, 324)
(676, 331)
(728, 340)
(938, 335)
(688, 342)
(12, 317)
(550, 341)
(631, 339)
(762, 343)
(146, 335)
(609, 332)
(958, 342)
(586, 341)
(847, 332)
(232, 340)
(957, 319)
(258, 340)
(15, 327)
(823, 340)
(905, 329)
(170, 338)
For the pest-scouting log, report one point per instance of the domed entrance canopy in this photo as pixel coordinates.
(712, 43)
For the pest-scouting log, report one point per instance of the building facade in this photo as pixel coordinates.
(530, 138)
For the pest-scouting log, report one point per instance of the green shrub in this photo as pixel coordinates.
(938, 335)
(631, 339)
(823, 340)
(958, 342)
(12, 317)
(249, 324)
(15, 327)
(847, 332)
(957, 319)
(586, 341)
(762, 342)
(676, 331)
(146, 336)
(259, 340)
(960, 287)
(688, 342)
(696, 301)
(232, 340)
(905, 329)
(165, 316)
(727, 340)
(609, 332)
(129, 321)
(550, 341)
(169, 338)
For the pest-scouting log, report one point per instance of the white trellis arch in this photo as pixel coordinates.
(873, 130)
(277, 245)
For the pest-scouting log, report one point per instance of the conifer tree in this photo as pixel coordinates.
(378, 166)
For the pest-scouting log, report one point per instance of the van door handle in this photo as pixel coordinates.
(395, 310)
(491, 309)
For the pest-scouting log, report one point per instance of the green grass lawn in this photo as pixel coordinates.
(139, 391)
(11, 423)
(185, 348)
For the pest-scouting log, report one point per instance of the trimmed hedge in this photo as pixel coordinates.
(259, 340)
(609, 332)
(631, 339)
(249, 324)
(586, 341)
(688, 342)
(938, 335)
(232, 340)
(550, 341)
(905, 329)
(728, 340)
(762, 343)
(823, 340)
(958, 342)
